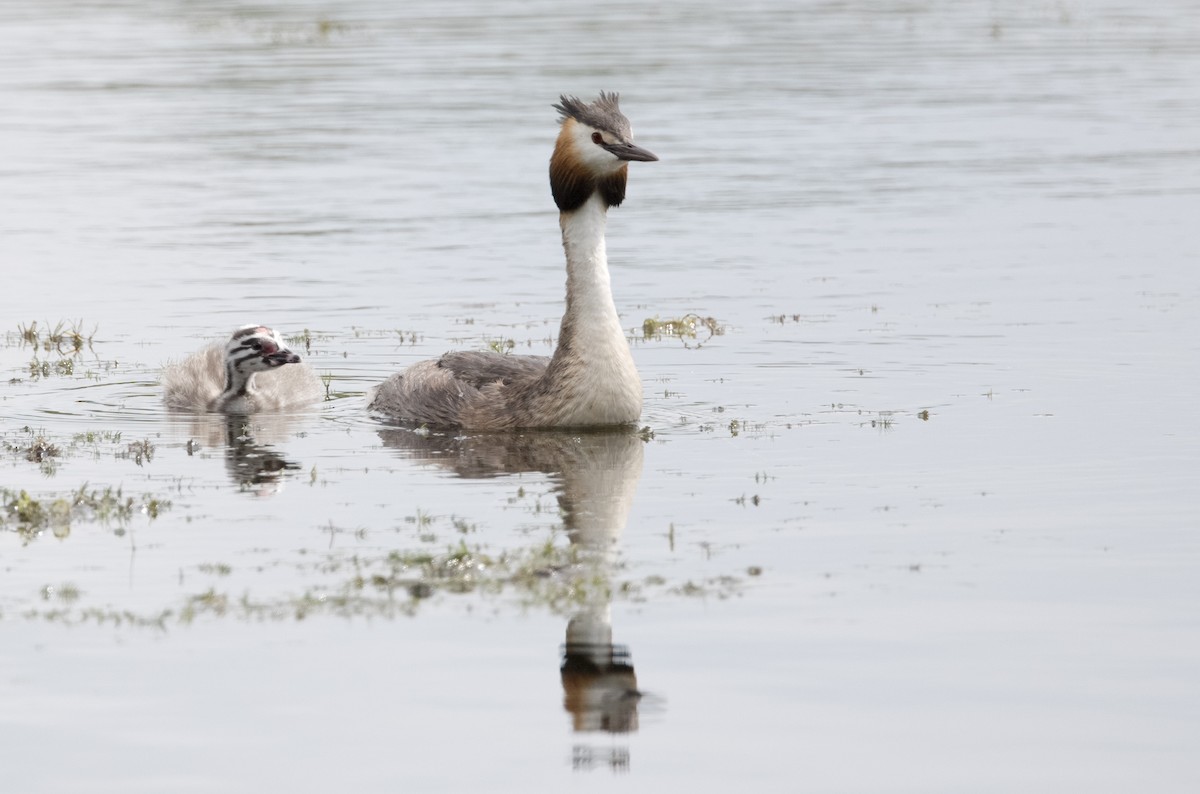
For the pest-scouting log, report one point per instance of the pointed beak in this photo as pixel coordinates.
(281, 357)
(630, 151)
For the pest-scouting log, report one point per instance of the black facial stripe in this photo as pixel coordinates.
(239, 360)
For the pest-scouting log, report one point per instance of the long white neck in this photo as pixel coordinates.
(591, 313)
(592, 366)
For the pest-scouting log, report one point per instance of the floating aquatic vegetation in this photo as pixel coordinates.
(57, 349)
(63, 337)
(138, 451)
(37, 446)
(500, 345)
(277, 32)
(31, 516)
(39, 368)
(409, 338)
(562, 578)
(689, 326)
(36, 449)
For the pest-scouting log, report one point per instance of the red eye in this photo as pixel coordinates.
(596, 139)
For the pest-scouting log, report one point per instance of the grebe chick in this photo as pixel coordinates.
(254, 371)
(590, 381)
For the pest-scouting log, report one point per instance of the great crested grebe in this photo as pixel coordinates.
(590, 381)
(222, 378)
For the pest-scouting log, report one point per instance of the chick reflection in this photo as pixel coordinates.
(595, 476)
(252, 464)
(255, 467)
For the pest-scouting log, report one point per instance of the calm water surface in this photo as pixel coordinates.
(922, 517)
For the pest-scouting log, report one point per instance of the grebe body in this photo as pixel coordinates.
(590, 380)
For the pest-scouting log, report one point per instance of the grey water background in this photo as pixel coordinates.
(922, 518)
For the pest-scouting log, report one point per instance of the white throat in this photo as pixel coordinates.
(592, 330)
(589, 288)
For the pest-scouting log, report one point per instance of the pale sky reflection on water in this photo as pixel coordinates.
(922, 517)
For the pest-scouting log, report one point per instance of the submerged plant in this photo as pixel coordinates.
(689, 326)
(30, 516)
(55, 348)
(63, 337)
(138, 451)
(500, 345)
(35, 447)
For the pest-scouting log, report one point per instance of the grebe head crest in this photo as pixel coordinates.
(603, 114)
(592, 152)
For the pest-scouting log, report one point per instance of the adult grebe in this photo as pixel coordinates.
(590, 381)
(222, 378)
